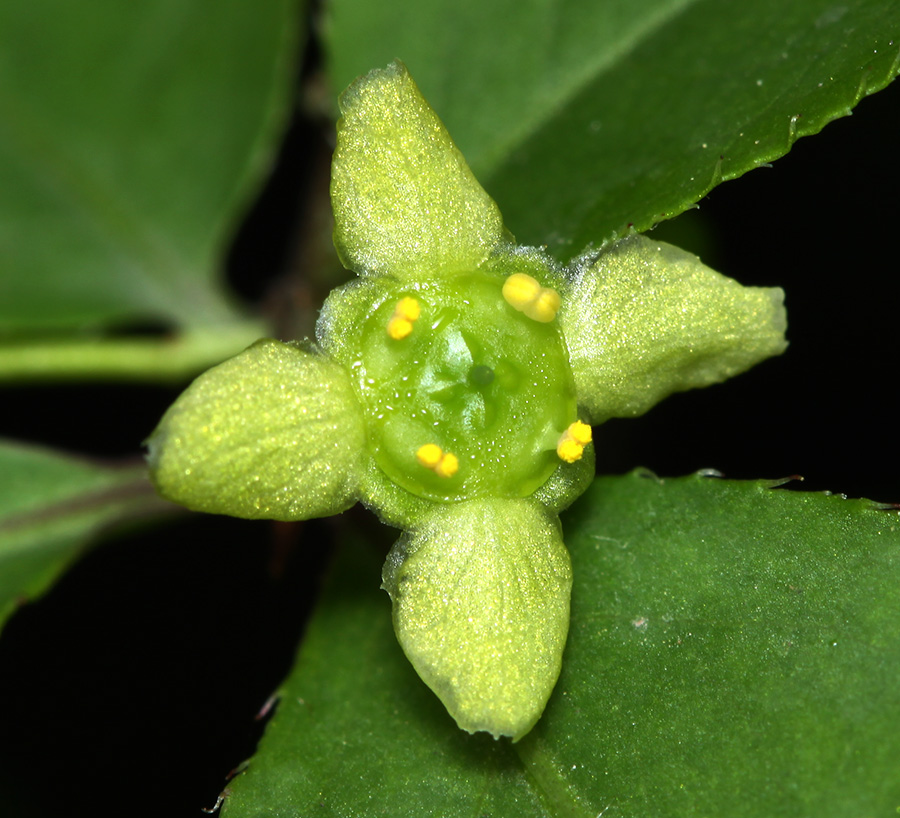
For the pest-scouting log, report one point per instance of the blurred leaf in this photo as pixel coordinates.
(131, 134)
(583, 118)
(733, 651)
(51, 506)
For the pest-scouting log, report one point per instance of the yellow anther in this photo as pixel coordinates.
(448, 466)
(544, 307)
(405, 314)
(399, 328)
(571, 443)
(526, 294)
(520, 290)
(569, 450)
(580, 432)
(407, 308)
(431, 456)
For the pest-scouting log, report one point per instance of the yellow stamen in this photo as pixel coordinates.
(521, 289)
(407, 308)
(448, 466)
(569, 450)
(399, 328)
(544, 307)
(570, 446)
(580, 432)
(405, 314)
(526, 294)
(431, 456)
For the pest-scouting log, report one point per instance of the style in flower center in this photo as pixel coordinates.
(467, 387)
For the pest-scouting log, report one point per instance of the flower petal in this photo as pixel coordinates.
(646, 319)
(404, 199)
(480, 596)
(273, 433)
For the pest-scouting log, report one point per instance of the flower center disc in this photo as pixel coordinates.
(471, 376)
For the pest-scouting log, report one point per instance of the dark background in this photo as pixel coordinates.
(131, 689)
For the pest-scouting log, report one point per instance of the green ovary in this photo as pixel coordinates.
(475, 378)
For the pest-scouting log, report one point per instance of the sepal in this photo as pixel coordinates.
(480, 595)
(645, 319)
(273, 433)
(405, 202)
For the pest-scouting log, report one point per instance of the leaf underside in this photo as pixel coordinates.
(51, 507)
(127, 151)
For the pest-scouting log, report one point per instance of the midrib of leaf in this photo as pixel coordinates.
(38, 542)
(543, 775)
(132, 484)
(107, 212)
(563, 94)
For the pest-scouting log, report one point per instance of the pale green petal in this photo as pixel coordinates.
(404, 199)
(480, 596)
(273, 433)
(646, 319)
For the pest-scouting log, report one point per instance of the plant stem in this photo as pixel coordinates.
(161, 359)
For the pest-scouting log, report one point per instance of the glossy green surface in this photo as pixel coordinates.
(585, 119)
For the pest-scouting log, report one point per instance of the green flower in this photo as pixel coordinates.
(450, 389)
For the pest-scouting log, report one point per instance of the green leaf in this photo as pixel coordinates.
(131, 134)
(51, 507)
(583, 118)
(733, 651)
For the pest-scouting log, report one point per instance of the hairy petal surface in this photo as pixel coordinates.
(480, 595)
(645, 319)
(405, 202)
(273, 433)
